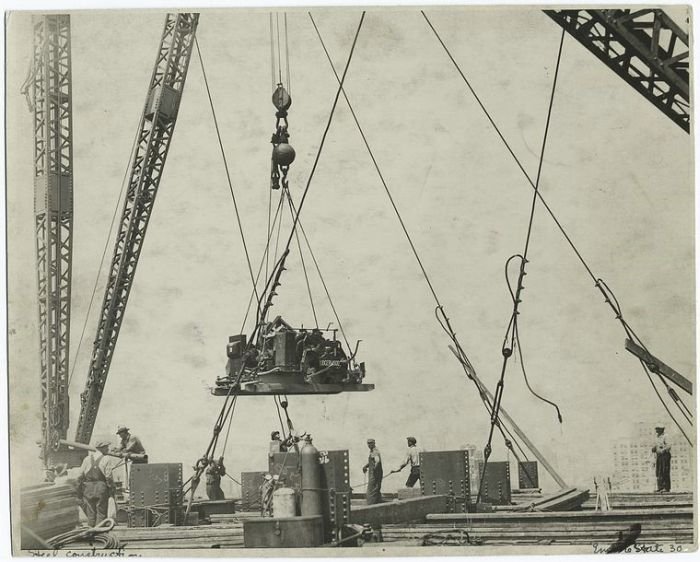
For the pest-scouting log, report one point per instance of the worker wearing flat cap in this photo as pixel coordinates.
(130, 447)
(662, 450)
(412, 458)
(95, 484)
(374, 472)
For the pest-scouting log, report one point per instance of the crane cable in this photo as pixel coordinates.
(442, 318)
(527, 177)
(223, 156)
(511, 332)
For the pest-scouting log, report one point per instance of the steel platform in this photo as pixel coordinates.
(277, 388)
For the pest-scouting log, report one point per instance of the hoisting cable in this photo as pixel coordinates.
(104, 253)
(279, 415)
(442, 318)
(507, 347)
(519, 347)
(322, 143)
(285, 192)
(320, 275)
(223, 156)
(522, 169)
(266, 253)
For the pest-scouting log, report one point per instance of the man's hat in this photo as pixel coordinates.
(272, 435)
(102, 445)
(411, 439)
(122, 429)
(659, 428)
(371, 441)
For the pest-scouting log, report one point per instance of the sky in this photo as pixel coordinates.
(617, 173)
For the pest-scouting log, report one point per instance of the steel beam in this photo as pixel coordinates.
(644, 47)
(50, 101)
(148, 161)
(657, 366)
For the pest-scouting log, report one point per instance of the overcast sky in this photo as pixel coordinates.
(617, 173)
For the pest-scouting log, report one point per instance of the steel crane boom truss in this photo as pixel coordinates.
(644, 47)
(53, 212)
(148, 160)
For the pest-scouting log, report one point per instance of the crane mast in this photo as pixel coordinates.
(148, 160)
(50, 102)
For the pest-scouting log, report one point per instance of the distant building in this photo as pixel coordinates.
(634, 462)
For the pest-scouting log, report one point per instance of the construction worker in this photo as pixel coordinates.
(213, 473)
(276, 443)
(130, 447)
(95, 484)
(374, 472)
(662, 450)
(412, 458)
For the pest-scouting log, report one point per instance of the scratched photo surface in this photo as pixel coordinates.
(487, 207)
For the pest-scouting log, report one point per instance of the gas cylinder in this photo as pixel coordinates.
(283, 154)
(310, 480)
(284, 502)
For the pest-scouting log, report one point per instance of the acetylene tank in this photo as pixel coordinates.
(310, 480)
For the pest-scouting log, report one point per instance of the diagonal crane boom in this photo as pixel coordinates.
(644, 47)
(50, 101)
(148, 160)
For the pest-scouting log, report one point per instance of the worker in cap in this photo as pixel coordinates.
(662, 450)
(213, 474)
(276, 443)
(95, 484)
(412, 458)
(374, 472)
(130, 447)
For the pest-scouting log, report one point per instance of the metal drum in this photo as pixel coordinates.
(284, 502)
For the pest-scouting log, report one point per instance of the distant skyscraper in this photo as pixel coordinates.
(634, 461)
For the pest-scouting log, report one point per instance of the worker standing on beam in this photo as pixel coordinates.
(662, 449)
(130, 447)
(412, 458)
(374, 472)
(95, 484)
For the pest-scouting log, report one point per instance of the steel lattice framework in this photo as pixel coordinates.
(53, 211)
(148, 160)
(644, 47)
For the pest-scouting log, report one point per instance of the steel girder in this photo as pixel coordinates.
(148, 160)
(53, 212)
(644, 47)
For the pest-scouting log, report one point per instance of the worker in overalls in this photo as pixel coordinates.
(374, 472)
(213, 473)
(95, 484)
(130, 447)
(412, 458)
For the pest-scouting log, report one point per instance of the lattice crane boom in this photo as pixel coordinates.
(148, 160)
(646, 48)
(50, 102)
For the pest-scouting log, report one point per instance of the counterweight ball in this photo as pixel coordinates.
(283, 154)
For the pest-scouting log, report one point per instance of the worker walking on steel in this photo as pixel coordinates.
(412, 458)
(213, 473)
(130, 447)
(95, 484)
(374, 472)
(662, 449)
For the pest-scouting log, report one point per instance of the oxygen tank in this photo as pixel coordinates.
(310, 480)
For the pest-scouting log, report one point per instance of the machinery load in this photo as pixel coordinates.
(287, 360)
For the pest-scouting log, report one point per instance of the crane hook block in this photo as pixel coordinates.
(283, 154)
(281, 99)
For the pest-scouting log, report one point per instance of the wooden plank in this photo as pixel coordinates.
(656, 365)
